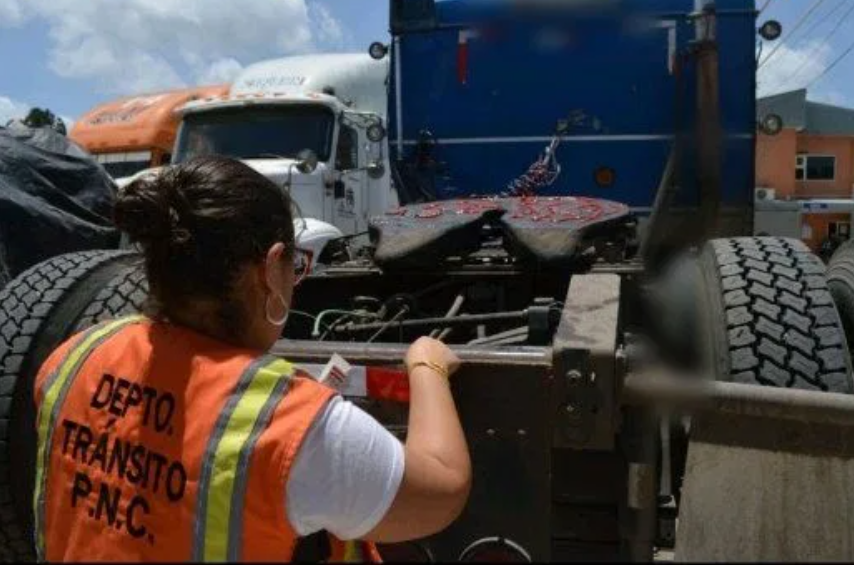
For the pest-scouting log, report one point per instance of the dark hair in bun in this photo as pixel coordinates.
(198, 223)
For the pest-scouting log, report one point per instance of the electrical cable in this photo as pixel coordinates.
(831, 66)
(334, 325)
(306, 315)
(825, 17)
(402, 312)
(315, 332)
(795, 28)
(808, 58)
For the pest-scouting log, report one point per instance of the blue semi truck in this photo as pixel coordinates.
(582, 327)
(478, 88)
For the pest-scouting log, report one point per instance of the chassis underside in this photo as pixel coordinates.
(576, 441)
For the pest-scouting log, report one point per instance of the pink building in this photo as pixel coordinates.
(812, 159)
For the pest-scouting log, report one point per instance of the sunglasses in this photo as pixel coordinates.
(302, 264)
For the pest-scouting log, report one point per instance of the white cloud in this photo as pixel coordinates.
(11, 110)
(11, 13)
(792, 68)
(221, 71)
(133, 46)
(328, 28)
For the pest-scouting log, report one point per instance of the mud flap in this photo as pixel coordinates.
(763, 490)
(769, 471)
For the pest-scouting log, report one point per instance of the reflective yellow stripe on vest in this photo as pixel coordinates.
(353, 552)
(55, 390)
(222, 484)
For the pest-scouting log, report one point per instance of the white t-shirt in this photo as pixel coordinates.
(345, 475)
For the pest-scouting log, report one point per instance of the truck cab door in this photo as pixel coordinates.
(350, 182)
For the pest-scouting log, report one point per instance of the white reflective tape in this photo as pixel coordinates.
(354, 382)
(133, 156)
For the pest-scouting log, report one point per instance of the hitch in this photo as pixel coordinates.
(767, 475)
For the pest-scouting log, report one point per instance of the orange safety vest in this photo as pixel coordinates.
(156, 443)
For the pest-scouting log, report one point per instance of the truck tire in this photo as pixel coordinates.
(38, 310)
(840, 281)
(770, 318)
(124, 295)
(5, 272)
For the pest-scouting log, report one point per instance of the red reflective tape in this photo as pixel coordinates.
(463, 63)
(387, 384)
(463, 54)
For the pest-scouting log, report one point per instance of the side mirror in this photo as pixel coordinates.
(307, 161)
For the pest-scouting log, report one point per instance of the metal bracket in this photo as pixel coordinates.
(584, 402)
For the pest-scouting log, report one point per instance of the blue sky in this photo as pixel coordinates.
(69, 55)
(808, 49)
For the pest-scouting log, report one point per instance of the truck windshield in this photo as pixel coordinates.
(257, 133)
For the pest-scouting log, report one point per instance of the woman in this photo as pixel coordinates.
(173, 437)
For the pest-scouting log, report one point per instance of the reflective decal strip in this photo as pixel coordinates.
(224, 468)
(55, 392)
(377, 382)
(352, 553)
(238, 499)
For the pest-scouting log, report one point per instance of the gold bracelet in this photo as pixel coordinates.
(431, 365)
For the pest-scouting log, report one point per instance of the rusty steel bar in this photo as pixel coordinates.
(365, 353)
(693, 394)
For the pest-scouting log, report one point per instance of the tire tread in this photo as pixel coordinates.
(27, 306)
(781, 327)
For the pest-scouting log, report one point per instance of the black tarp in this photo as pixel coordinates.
(54, 199)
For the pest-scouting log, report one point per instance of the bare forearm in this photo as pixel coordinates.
(437, 474)
(434, 427)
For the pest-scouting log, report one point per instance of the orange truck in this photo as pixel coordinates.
(136, 133)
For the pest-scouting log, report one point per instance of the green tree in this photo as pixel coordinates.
(42, 117)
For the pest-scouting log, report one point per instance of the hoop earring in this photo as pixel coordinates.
(280, 321)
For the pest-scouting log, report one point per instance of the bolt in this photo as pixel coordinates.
(574, 377)
(490, 432)
(570, 408)
(522, 433)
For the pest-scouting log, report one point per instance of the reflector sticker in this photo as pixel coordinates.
(359, 381)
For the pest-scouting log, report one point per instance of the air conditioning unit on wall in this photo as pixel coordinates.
(764, 194)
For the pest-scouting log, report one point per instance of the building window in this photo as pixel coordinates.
(815, 167)
(839, 229)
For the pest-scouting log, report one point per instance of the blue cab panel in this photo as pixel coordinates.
(488, 84)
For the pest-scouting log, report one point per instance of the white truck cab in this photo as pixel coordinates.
(314, 124)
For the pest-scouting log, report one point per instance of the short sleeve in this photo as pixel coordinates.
(346, 473)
